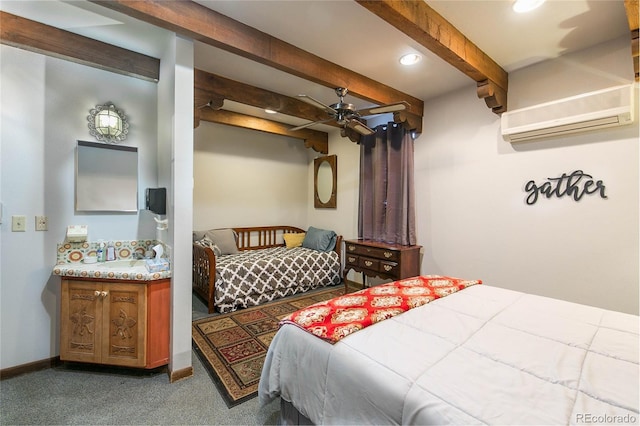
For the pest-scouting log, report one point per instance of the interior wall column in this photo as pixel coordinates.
(175, 171)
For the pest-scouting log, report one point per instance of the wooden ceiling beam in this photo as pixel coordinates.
(40, 38)
(631, 7)
(213, 86)
(314, 139)
(424, 25)
(200, 23)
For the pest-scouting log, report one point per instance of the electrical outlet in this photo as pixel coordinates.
(41, 223)
(18, 223)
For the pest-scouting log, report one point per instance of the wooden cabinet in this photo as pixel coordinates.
(373, 258)
(115, 322)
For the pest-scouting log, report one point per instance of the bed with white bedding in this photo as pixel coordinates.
(481, 355)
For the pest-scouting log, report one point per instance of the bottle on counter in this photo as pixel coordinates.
(111, 252)
(100, 251)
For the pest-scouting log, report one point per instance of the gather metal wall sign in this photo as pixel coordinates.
(575, 185)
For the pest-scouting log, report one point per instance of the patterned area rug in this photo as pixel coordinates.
(233, 346)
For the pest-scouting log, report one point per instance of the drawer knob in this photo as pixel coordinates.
(352, 259)
(96, 293)
(352, 248)
(368, 262)
(387, 267)
(388, 254)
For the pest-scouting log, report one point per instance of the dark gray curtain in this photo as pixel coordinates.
(386, 210)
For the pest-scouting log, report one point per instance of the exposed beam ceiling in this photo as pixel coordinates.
(207, 26)
(314, 139)
(212, 90)
(414, 19)
(217, 88)
(431, 30)
(36, 37)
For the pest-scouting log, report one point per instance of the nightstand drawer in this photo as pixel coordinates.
(374, 265)
(390, 268)
(378, 253)
(369, 263)
(352, 260)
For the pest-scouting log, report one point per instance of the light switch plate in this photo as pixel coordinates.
(18, 223)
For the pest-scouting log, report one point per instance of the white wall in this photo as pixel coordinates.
(472, 217)
(344, 218)
(248, 178)
(44, 105)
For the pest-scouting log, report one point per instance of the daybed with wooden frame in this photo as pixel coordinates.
(273, 270)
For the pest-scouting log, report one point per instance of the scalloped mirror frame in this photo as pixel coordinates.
(332, 162)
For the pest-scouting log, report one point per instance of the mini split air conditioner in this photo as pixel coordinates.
(595, 110)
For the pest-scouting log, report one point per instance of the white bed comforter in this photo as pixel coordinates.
(481, 355)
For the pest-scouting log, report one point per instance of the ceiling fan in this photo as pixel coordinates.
(346, 114)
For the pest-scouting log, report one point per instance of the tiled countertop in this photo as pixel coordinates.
(116, 270)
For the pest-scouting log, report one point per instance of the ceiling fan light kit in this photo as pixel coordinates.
(346, 115)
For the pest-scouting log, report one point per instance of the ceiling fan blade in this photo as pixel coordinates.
(383, 109)
(316, 103)
(359, 127)
(313, 123)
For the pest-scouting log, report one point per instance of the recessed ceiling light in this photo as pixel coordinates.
(270, 111)
(521, 6)
(410, 59)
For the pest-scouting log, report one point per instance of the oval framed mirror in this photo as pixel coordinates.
(325, 179)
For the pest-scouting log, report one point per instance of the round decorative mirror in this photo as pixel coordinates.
(108, 123)
(325, 180)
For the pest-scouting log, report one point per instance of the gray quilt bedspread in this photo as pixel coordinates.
(483, 355)
(258, 276)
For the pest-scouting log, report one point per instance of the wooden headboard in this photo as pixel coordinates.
(259, 237)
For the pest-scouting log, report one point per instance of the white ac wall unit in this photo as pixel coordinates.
(595, 110)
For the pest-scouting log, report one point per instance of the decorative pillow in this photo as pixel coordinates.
(225, 239)
(292, 240)
(319, 239)
(198, 235)
(206, 242)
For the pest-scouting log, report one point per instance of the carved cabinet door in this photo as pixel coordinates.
(103, 323)
(124, 319)
(81, 325)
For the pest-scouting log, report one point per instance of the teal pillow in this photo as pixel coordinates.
(319, 239)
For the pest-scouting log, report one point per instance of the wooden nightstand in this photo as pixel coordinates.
(373, 258)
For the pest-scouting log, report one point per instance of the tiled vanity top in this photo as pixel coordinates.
(116, 270)
(70, 262)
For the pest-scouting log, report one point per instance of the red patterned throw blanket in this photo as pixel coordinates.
(337, 318)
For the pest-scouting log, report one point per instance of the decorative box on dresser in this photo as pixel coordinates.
(374, 258)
